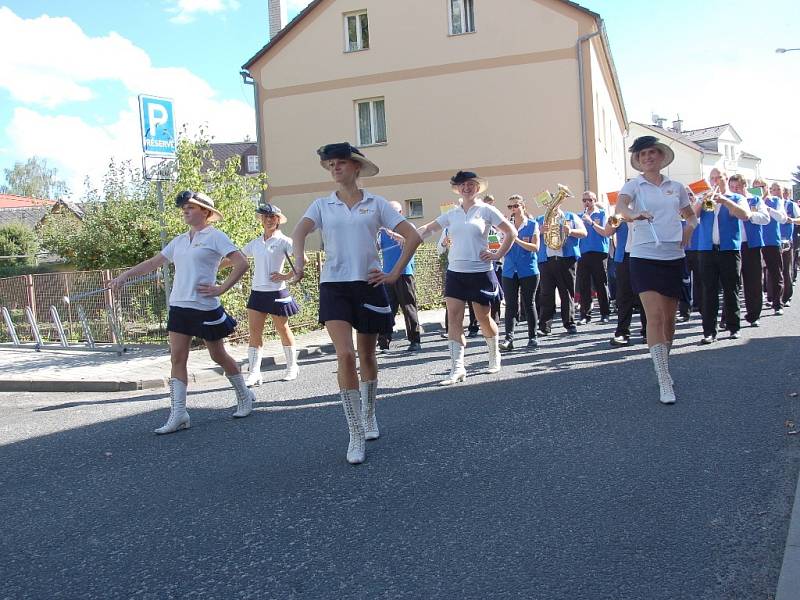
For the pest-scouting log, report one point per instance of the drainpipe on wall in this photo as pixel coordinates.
(247, 79)
(581, 86)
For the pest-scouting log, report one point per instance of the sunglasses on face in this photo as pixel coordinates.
(512, 206)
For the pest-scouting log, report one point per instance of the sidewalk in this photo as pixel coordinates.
(54, 369)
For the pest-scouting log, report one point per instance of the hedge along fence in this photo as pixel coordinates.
(141, 308)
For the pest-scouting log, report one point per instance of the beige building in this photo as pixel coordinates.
(522, 91)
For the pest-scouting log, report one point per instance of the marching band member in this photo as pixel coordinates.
(771, 251)
(352, 292)
(194, 306)
(558, 273)
(592, 269)
(693, 264)
(752, 242)
(720, 261)
(626, 300)
(521, 272)
(498, 271)
(656, 204)
(470, 275)
(787, 250)
(269, 295)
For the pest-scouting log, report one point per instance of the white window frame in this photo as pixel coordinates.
(358, 14)
(467, 15)
(252, 163)
(373, 122)
(412, 202)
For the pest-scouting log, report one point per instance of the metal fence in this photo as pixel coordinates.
(137, 313)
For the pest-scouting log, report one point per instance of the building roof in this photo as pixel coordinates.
(223, 151)
(14, 201)
(707, 133)
(29, 216)
(750, 156)
(312, 5)
(673, 135)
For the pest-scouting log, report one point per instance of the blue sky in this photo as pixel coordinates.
(71, 72)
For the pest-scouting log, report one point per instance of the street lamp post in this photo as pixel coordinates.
(785, 50)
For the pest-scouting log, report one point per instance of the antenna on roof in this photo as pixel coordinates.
(658, 121)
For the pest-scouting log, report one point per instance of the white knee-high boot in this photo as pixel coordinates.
(457, 370)
(244, 397)
(660, 355)
(178, 417)
(369, 392)
(254, 370)
(351, 403)
(290, 352)
(494, 354)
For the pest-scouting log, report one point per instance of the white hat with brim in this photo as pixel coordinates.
(650, 141)
(270, 210)
(346, 151)
(201, 200)
(463, 177)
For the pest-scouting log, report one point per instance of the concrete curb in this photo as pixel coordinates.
(789, 580)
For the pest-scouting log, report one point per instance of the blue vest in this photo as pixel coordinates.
(622, 240)
(391, 251)
(755, 233)
(594, 242)
(730, 236)
(787, 228)
(772, 230)
(518, 261)
(694, 242)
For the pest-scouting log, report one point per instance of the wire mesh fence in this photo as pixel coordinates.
(137, 313)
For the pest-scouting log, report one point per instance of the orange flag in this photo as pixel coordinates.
(699, 187)
(612, 197)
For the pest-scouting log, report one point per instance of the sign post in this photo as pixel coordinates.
(157, 121)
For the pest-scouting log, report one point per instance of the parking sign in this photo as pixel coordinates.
(158, 125)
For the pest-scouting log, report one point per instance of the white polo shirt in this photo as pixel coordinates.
(469, 236)
(664, 202)
(268, 256)
(196, 263)
(349, 234)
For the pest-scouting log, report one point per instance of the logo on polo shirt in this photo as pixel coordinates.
(364, 211)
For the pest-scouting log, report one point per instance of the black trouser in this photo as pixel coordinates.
(403, 294)
(592, 273)
(511, 289)
(787, 258)
(720, 266)
(558, 273)
(626, 300)
(774, 276)
(494, 307)
(795, 251)
(751, 280)
(693, 263)
(473, 325)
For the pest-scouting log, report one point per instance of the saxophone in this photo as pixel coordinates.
(554, 236)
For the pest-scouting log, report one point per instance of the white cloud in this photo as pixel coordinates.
(186, 11)
(295, 6)
(41, 79)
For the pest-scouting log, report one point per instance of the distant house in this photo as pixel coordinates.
(245, 152)
(698, 151)
(26, 211)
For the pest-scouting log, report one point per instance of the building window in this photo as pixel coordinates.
(356, 31)
(371, 122)
(252, 163)
(462, 17)
(414, 208)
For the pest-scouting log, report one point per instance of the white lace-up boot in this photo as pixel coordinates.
(254, 370)
(457, 370)
(356, 449)
(244, 397)
(178, 417)
(660, 355)
(290, 352)
(494, 354)
(369, 391)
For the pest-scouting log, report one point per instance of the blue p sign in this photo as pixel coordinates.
(158, 125)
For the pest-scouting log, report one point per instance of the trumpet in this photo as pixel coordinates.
(708, 199)
(615, 220)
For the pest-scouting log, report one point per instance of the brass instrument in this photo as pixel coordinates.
(554, 237)
(615, 220)
(708, 199)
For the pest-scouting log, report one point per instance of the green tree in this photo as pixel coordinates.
(18, 245)
(34, 180)
(121, 224)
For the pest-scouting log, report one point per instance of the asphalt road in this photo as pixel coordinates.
(560, 477)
